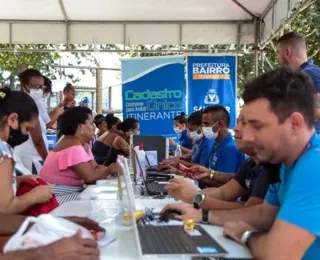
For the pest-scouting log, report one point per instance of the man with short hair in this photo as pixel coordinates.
(225, 157)
(250, 183)
(279, 118)
(292, 52)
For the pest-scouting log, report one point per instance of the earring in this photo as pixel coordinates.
(81, 131)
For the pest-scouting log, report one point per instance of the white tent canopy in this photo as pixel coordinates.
(133, 22)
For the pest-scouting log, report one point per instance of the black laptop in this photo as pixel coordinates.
(152, 185)
(174, 240)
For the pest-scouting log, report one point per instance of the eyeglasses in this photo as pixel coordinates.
(36, 86)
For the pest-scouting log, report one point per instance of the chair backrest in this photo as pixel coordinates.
(20, 170)
(36, 166)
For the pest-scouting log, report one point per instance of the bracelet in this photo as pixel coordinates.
(211, 174)
(246, 235)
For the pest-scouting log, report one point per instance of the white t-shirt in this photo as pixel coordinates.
(27, 152)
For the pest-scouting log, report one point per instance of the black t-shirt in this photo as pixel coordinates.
(254, 179)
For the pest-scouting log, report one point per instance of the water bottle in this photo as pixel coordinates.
(178, 152)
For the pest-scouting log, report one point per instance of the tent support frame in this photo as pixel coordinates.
(244, 9)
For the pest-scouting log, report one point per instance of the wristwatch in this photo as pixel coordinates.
(205, 216)
(246, 235)
(197, 200)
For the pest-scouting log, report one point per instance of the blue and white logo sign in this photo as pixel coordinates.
(153, 92)
(211, 81)
(212, 97)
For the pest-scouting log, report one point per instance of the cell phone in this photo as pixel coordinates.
(187, 171)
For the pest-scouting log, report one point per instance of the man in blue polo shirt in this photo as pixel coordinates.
(292, 52)
(279, 111)
(225, 157)
(279, 122)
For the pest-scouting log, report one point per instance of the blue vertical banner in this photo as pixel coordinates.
(212, 80)
(153, 92)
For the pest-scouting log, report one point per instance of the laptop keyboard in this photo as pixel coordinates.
(155, 240)
(156, 189)
(172, 240)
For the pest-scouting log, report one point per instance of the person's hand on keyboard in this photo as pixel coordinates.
(172, 161)
(187, 212)
(167, 168)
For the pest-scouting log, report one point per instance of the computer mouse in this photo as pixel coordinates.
(169, 214)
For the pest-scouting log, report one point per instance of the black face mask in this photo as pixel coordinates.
(16, 137)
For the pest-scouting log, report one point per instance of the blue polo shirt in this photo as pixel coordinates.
(297, 194)
(201, 152)
(185, 140)
(313, 71)
(225, 157)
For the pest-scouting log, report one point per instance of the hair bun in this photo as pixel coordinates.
(183, 114)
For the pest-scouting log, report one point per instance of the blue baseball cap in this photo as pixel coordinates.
(85, 100)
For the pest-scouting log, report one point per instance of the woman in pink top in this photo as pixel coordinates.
(71, 165)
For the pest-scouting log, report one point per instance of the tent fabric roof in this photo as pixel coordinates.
(142, 21)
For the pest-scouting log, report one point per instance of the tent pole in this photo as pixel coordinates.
(256, 63)
(99, 91)
(256, 46)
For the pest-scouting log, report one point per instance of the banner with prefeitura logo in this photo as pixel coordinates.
(212, 80)
(153, 92)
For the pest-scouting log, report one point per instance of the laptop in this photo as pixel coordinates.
(150, 167)
(153, 186)
(166, 241)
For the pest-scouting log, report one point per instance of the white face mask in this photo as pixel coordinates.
(208, 132)
(137, 132)
(195, 136)
(177, 130)
(36, 94)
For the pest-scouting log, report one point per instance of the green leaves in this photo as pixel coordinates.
(15, 62)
